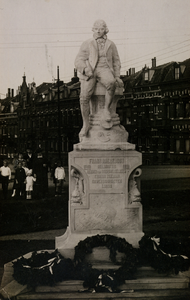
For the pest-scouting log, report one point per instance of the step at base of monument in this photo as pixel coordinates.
(170, 287)
(172, 294)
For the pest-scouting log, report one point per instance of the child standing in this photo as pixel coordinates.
(59, 179)
(5, 177)
(29, 184)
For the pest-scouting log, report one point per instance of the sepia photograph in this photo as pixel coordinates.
(94, 149)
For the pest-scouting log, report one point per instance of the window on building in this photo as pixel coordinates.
(167, 111)
(41, 123)
(187, 146)
(177, 72)
(177, 146)
(128, 120)
(120, 113)
(23, 124)
(64, 118)
(16, 131)
(155, 109)
(37, 123)
(147, 143)
(128, 115)
(76, 118)
(187, 110)
(56, 146)
(177, 110)
(55, 122)
(146, 112)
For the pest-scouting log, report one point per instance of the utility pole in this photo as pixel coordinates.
(59, 115)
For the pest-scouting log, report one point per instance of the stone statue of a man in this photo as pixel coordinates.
(97, 60)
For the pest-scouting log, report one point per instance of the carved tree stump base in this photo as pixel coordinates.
(104, 134)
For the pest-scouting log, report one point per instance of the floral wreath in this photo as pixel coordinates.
(101, 280)
(44, 268)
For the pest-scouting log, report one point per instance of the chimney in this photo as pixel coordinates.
(154, 62)
(12, 93)
(131, 71)
(9, 92)
(75, 79)
(75, 72)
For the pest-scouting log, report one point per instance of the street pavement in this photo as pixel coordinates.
(41, 235)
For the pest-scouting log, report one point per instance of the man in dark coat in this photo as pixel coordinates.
(29, 157)
(40, 171)
(20, 180)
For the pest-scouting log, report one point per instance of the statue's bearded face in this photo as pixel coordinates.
(99, 31)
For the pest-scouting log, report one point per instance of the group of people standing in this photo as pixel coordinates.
(24, 177)
(31, 176)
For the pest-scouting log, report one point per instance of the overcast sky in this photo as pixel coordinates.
(36, 36)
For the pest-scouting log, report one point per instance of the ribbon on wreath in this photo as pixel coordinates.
(156, 246)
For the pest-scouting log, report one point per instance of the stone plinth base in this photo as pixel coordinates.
(104, 197)
(104, 146)
(66, 243)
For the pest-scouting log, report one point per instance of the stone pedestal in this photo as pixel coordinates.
(104, 197)
(104, 180)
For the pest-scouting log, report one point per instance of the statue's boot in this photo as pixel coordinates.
(106, 115)
(106, 120)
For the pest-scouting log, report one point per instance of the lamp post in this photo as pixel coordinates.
(59, 115)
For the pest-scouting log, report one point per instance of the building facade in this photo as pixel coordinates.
(155, 110)
(49, 117)
(8, 125)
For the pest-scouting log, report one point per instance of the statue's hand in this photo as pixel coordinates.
(88, 72)
(119, 82)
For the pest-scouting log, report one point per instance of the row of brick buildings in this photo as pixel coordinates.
(155, 110)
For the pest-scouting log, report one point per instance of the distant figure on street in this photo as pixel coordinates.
(40, 171)
(59, 179)
(29, 184)
(29, 157)
(25, 167)
(53, 167)
(20, 181)
(16, 162)
(18, 159)
(5, 177)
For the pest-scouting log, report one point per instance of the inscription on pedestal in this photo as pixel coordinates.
(105, 173)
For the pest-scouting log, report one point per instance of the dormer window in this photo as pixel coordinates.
(146, 76)
(177, 71)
